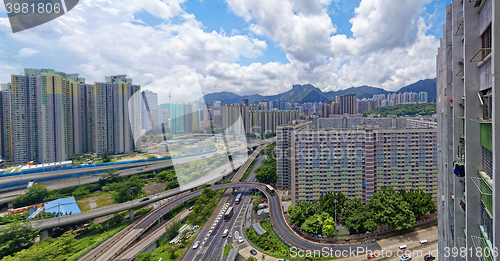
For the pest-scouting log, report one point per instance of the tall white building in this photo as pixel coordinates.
(468, 66)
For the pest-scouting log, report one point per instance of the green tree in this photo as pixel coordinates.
(106, 157)
(329, 226)
(48, 249)
(389, 207)
(128, 190)
(420, 202)
(314, 223)
(80, 192)
(266, 173)
(109, 177)
(302, 211)
(196, 130)
(34, 195)
(327, 202)
(251, 258)
(16, 236)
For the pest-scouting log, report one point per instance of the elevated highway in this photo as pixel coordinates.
(127, 169)
(112, 248)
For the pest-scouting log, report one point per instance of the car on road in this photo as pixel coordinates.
(253, 252)
(405, 257)
(371, 255)
(144, 199)
(191, 208)
(402, 247)
(423, 241)
(196, 244)
(240, 239)
(429, 257)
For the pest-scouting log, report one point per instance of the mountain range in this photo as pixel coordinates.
(309, 93)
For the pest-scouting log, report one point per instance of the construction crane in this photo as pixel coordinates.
(170, 96)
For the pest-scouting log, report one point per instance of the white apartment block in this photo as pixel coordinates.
(283, 151)
(468, 66)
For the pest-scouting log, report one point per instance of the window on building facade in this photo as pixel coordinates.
(486, 42)
(487, 103)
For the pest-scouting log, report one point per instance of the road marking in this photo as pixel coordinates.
(433, 227)
(240, 244)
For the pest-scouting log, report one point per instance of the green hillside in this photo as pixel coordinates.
(423, 109)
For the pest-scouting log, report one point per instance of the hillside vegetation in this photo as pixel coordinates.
(424, 109)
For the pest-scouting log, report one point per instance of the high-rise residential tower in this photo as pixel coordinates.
(283, 151)
(468, 70)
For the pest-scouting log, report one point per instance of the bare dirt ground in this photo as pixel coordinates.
(153, 188)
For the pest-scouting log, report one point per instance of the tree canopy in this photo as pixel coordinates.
(389, 207)
(128, 190)
(420, 202)
(15, 237)
(397, 210)
(412, 109)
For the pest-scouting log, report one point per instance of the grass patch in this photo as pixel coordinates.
(89, 241)
(245, 175)
(101, 199)
(227, 248)
(272, 245)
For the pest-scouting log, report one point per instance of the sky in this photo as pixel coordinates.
(240, 46)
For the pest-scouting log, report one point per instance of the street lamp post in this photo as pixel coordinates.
(335, 201)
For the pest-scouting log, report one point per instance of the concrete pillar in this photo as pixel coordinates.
(131, 215)
(44, 234)
(10, 205)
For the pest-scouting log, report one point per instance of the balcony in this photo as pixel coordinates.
(484, 244)
(484, 185)
(482, 55)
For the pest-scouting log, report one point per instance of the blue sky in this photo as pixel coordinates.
(243, 46)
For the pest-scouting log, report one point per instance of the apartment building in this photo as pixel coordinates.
(352, 121)
(359, 161)
(348, 104)
(267, 121)
(467, 123)
(49, 116)
(283, 151)
(421, 123)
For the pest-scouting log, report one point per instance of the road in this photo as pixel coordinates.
(214, 247)
(112, 247)
(9, 196)
(103, 211)
(419, 253)
(145, 242)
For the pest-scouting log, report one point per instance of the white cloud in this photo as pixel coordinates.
(26, 52)
(390, 46)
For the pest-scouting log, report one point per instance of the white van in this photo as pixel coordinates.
(226, 231)
(402, 247)
(423, 241)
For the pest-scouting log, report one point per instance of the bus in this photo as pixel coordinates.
(270, 190)
(229, 214)
(238, 198)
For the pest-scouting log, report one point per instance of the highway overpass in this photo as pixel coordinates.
(58, 173)
(128, 169)
(117, 245)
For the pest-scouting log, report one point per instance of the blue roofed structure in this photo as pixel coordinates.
(63, 206)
